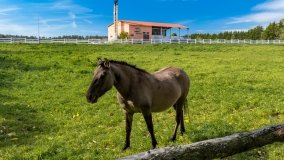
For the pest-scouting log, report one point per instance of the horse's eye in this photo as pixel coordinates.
(103, 76)
(96, 81)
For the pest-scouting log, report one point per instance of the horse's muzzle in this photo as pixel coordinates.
(92, 99)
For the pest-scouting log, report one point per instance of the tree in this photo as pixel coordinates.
(255, 33)
(281, 29)
(271, 32)
(174, 34)
(123, 35)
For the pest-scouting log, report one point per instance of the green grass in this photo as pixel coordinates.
(44, 113)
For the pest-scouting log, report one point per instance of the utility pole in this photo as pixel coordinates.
(115, 19)
(38, 29)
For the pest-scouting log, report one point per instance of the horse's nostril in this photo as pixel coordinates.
(89, 97)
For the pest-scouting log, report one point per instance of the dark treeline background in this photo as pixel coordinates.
(273, 31)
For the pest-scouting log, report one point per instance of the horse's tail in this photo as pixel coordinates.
(185, 107)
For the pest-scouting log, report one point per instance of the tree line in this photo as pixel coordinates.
(274, 31)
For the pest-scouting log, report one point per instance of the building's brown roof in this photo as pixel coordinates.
(154, 24)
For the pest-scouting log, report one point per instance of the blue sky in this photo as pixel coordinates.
(86, 17)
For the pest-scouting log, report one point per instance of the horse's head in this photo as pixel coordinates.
(102, 81)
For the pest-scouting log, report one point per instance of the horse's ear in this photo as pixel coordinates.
(106, 63)
(99, 61)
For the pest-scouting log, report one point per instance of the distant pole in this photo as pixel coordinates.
(187, 33)
(38, 29)
(179, 33)
(115, 19)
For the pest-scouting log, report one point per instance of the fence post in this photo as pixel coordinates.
(25, 40)
(11, 40)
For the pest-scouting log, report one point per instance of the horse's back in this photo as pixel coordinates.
(171, 84)
(171, 74)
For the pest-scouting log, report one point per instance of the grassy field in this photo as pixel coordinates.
(44, 113)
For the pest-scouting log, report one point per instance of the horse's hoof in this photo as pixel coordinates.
(153, 147)
(125, 147)
(173, 138)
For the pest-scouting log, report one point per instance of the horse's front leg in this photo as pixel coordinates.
(148, 118)
(128, 126)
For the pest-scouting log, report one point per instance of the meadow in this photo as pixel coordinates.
(44, 113)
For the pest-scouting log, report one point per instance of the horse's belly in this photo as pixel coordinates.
(160, 108)
(163, 103)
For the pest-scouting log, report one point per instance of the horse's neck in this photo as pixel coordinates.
(123, 79)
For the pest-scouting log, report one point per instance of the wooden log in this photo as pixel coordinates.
(218, 147)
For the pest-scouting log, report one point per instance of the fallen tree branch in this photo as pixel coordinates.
(218, 147)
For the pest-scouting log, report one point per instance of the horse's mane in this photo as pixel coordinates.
(127, 64)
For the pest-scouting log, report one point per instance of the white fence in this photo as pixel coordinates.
(140, 41)
(64, 41)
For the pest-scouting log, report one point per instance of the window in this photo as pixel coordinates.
(157, 31)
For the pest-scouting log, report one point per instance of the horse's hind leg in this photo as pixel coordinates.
(178, 109)
(182, 128)
(178, 106)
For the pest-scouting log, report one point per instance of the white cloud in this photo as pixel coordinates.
(5, 11)
(88, 21)
(74, 25)
(12, 28)
(260, 18)
(271, 5)
(73, 18)
(55, 18)
(263, 13)
(69, 6)
(72, 15)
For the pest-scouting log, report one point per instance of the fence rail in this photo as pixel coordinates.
(140, 41)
